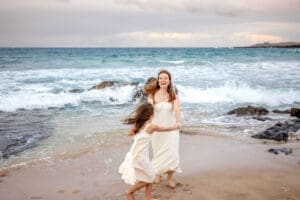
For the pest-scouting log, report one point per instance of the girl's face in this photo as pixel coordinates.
(163, 80)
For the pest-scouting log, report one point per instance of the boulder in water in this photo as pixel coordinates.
(287, 111)
(280, 131)
(105, 84)
(295, 112)
(284, 150)
(76, 90)
(249, 110)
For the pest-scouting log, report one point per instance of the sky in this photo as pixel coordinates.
(147, 23)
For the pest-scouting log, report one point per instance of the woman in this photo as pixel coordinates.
(167, 112)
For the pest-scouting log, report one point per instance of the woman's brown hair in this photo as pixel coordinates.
(170, 89)
(142, 114)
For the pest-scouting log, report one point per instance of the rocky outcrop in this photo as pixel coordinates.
(280, 131)
(139, 93)
(295, 112)
(260, 118)
(284, 150)
(249, 110)
(106, 84)
(274, 45)
(76, 91)
(287, 111)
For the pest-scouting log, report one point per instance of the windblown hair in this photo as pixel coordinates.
(170, 90)
(142, 114)
(150, 85)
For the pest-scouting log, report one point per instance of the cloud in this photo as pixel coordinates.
(147, 23)
(229, 8)
(191, 6)
(253, 38)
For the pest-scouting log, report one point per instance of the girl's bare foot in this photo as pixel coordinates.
(171, 183)
(157, 179)
(129, 195)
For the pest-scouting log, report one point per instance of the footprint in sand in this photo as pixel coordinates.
(178, 185)
(187, 189)
(61, 191)
(75, 191)
(36, 197)
(157, 196)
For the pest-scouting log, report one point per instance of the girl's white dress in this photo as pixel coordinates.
(136, 165)
(165, 145)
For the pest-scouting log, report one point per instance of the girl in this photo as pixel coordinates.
(136, 169)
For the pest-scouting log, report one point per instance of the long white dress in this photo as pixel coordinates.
(136, 165)
(165, 145)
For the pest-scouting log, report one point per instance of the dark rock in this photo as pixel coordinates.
(287, 111)
(296, 126)
(76, 90)
(106, 84)
(278, 136)
(139, 94)
(280, 131)
(295, 112)
(113, 99)
(284, 150)
(249, 110)
(259, 118)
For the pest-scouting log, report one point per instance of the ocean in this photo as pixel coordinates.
(41, 119)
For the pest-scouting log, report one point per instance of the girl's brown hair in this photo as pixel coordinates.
(170, 89)
(142, 114)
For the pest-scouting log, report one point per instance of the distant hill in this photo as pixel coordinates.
(274, 45)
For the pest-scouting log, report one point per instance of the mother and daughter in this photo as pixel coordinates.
(156, 122)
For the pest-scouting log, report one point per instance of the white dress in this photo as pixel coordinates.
(136, 165)
(165, 145)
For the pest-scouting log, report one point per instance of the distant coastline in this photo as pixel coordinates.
(274, 45)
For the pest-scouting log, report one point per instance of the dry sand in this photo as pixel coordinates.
(214, 167)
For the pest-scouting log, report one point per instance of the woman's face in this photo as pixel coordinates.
(163, 80)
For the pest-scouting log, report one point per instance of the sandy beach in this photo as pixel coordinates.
(214, 167)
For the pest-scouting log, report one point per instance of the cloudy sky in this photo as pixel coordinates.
(147, 23)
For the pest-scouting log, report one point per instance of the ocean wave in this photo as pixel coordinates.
(28, 100)
(176, 62)
(232, 92)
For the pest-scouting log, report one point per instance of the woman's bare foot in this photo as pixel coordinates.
(129, 195)
(171, 183)
(157, 179)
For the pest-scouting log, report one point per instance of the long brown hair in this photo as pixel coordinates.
(150, 85)
(142, 114)
(170, 88)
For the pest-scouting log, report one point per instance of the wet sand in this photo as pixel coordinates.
(214, 167)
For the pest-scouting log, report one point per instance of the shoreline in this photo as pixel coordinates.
(220, 168)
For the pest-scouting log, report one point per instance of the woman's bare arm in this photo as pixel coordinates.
(177, 111)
